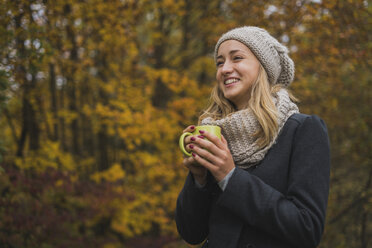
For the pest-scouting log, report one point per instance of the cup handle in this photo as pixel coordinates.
(182, 143)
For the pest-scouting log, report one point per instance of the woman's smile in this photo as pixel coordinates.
(230, 81)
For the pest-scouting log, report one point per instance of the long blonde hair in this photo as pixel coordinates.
(260, 102)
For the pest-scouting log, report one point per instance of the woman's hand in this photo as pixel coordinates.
(199, 172)
(213, 154)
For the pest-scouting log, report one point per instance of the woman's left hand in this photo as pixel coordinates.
(213, 154)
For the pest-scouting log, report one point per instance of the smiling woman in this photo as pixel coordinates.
(265, 183)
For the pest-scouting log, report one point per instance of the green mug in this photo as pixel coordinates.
(216, 130)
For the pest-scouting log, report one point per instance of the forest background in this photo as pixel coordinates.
(94, 94)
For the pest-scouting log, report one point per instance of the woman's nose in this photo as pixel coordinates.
(227, 67)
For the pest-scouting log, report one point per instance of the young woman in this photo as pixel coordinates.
(266, 182)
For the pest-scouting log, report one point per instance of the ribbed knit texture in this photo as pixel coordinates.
(272, 55)
(239, 127)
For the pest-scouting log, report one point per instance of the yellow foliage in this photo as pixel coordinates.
(59, 183)
(68, 115)
(49, 156)
(113, 174)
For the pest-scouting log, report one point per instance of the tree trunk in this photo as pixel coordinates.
(186, 34)
(53, 100)
(34, 130)
(103, 159)
(29, 124)
(71, 84)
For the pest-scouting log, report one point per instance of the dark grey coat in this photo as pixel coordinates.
(279, 203)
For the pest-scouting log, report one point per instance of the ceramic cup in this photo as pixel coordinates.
(216, 130)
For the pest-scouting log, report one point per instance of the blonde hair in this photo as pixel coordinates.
(260, 102)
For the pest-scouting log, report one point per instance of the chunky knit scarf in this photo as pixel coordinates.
(239, 127)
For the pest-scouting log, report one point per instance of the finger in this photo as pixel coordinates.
(224, 141)
(188, 162)
(193, 166)
(204, 143)
(189, 129)
(190, 147)
(203, 162)
(189, 139)
(206, 154)
(213, 138)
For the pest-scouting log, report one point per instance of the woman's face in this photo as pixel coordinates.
(237, 70)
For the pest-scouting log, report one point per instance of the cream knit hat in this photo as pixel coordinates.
(272, 55)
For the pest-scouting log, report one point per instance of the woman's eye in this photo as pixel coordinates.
(219, 63)
(238, 58)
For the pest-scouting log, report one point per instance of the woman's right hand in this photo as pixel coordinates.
(198, 171)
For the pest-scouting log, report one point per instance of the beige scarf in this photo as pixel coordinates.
(239, 127)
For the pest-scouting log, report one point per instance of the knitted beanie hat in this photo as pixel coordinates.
(272, 55)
